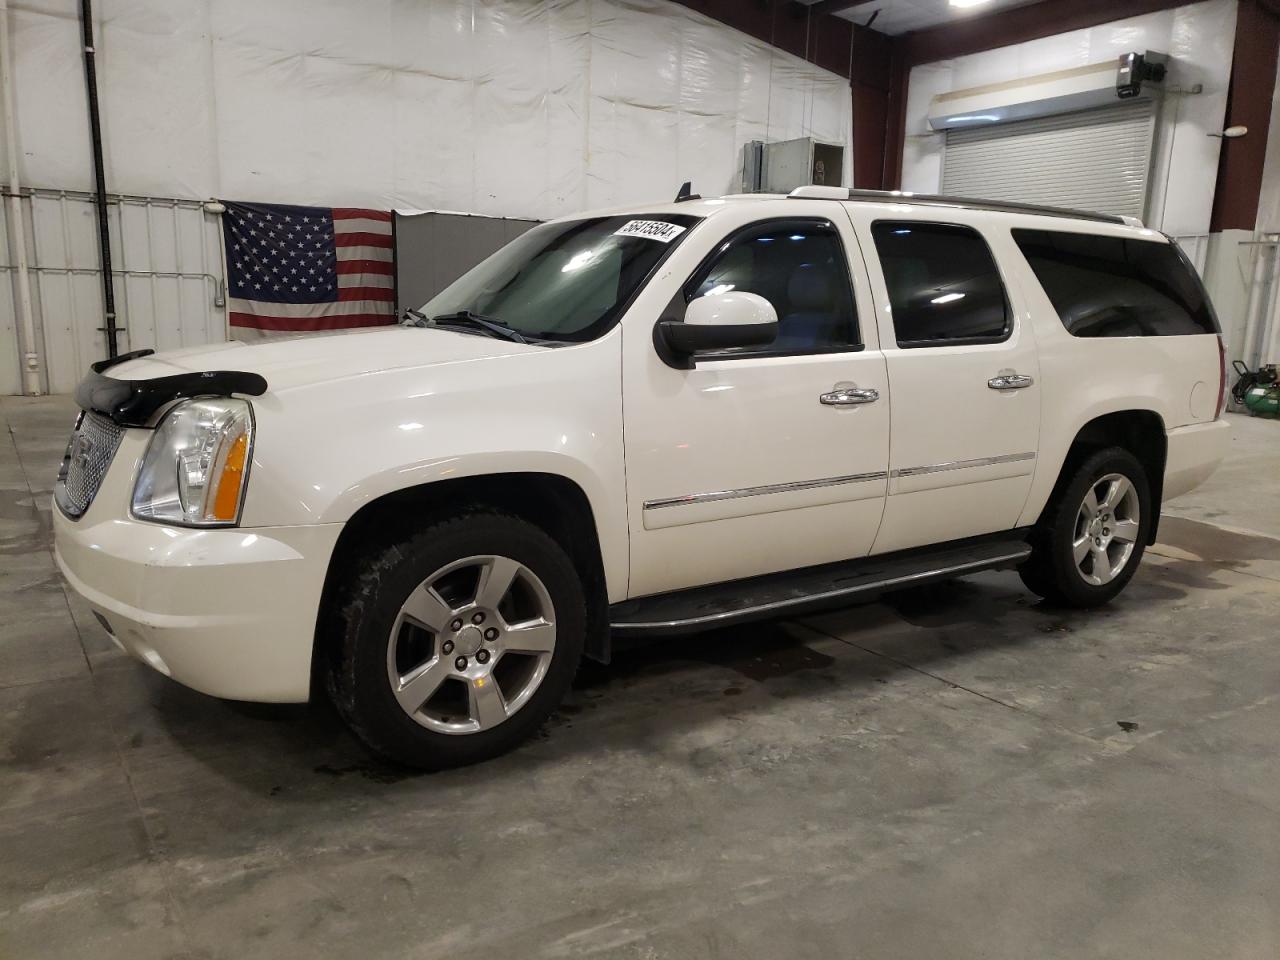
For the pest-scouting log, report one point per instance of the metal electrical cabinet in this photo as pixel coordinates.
(781, 167)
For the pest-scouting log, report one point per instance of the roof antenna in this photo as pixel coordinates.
(686, 192)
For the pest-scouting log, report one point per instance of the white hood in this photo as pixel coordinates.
(319, 358)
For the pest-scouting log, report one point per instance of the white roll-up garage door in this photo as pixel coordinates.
(1092, 160)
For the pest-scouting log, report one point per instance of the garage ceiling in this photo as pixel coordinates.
(902, 16)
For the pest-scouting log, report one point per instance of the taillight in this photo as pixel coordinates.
(1222, 378)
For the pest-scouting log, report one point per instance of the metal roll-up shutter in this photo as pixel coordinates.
(1095, 160)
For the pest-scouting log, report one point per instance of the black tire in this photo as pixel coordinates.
(1051, 571)
(365, 609)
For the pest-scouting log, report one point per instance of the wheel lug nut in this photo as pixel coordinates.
(491, 633)
(461, 663)
(447, 647)
(482, 656)
(456, 625)
(477, 617)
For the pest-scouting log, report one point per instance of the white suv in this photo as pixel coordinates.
(641, 421)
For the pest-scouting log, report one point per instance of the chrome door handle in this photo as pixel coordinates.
(848, 396)
(1010, 381)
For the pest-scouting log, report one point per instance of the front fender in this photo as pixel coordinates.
(323, 451)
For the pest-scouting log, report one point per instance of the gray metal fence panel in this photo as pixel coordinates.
(434, 249)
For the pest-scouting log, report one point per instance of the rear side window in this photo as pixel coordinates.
(1117, 286)
(944, 287)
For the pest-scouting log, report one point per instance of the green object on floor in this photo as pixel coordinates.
(1263, 400)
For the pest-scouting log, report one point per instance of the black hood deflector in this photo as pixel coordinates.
(134, 403)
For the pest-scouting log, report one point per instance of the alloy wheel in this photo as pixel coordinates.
(471, 644)
(1106, 529)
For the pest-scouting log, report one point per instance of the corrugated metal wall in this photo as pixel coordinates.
(169, 282)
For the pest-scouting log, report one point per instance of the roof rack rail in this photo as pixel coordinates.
(963, 203)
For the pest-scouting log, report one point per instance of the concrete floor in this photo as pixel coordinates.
(957, 772)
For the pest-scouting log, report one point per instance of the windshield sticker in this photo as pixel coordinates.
(650, 229)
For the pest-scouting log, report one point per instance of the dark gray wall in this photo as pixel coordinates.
(434, 249)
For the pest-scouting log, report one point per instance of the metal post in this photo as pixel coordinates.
(26, 315)
(100, 178)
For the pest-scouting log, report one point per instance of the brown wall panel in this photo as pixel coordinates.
(1253, 78)
(870, 116)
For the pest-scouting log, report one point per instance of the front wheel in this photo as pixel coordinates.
(1091, 539)
(455, 644)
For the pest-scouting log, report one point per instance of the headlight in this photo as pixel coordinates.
(195, 469)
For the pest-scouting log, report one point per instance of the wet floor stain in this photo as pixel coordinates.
(779, 662)
(758, 652)
(376, 772)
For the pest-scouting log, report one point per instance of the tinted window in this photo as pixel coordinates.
(943, 284)
(799, 266)
(1116, 286)
(565, 281)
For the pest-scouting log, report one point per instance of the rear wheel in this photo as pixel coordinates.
(455, 644)
(1092, 537)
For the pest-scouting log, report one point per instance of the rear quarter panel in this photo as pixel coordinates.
(1083, 378)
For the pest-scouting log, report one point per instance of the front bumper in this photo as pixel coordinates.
(228, 612)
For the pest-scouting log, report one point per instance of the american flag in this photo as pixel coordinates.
(300, 269)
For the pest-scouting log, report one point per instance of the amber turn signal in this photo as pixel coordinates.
(226, 502)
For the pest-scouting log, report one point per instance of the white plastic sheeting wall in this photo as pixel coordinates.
(520, 108)
(1199, 39)
(515, 108)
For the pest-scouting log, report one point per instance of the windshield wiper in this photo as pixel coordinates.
(465, 318)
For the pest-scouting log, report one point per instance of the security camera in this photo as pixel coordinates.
(1134, 69)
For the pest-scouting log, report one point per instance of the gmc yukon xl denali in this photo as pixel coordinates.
(664, 418)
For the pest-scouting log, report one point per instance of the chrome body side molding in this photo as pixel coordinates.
(961, 464)
(763, 490)
(766, 489)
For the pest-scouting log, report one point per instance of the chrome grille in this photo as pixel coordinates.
(89, 453)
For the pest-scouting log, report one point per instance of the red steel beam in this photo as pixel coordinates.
(1253, 78)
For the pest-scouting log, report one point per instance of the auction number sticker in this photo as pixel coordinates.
(650, 229)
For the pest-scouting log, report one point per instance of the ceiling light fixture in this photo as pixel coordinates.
(967, 3)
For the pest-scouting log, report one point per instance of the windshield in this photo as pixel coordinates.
(564, 281)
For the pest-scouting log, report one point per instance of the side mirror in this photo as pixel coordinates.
(720, 322)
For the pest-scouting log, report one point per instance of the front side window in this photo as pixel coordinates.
(564, 281)
(944, 287)
(799, 266)
(1117, 286)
